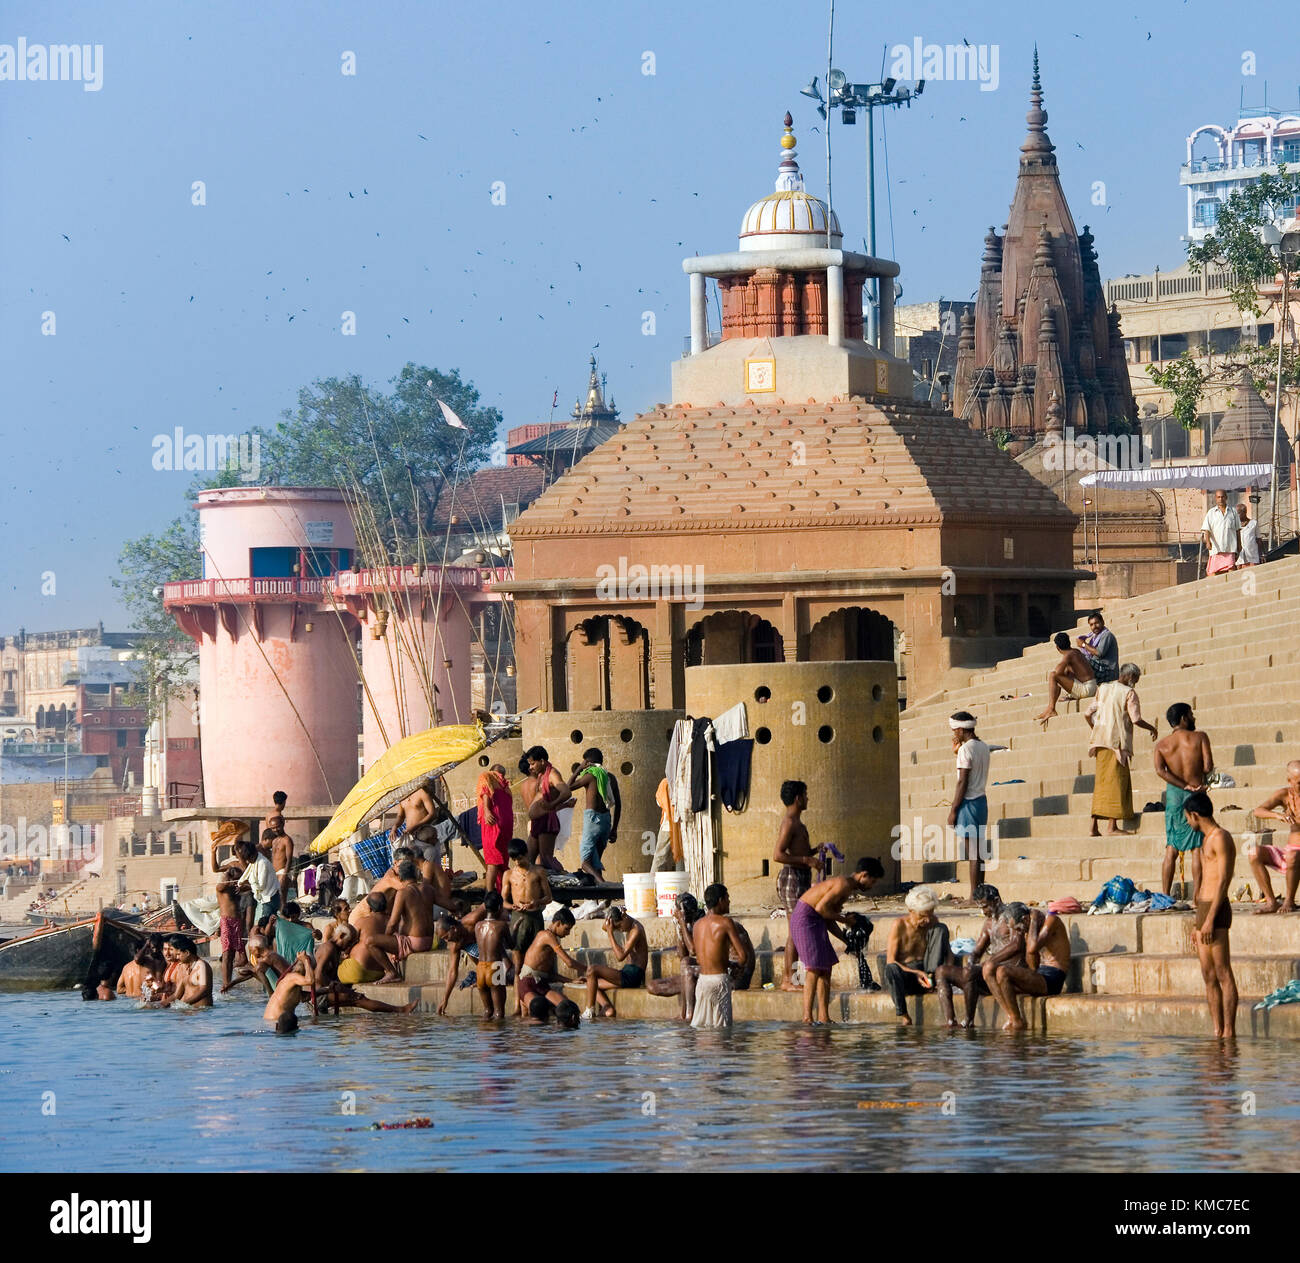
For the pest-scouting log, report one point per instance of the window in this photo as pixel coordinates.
(1206, 213)
(121, 738)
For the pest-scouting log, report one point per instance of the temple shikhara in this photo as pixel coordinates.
(1040, 327)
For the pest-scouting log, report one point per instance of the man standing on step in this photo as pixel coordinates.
(1247, 538)
(1101, 649)
(715, 937)
(969, 813)
(1183, 761)
(1071, 674)
(1113, 715)
(1220, 533)
(1213, 917)
(1285, 806)
(798, 863)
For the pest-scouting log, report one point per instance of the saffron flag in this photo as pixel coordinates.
(450, 417)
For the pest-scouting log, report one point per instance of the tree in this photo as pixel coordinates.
(1236, 245)
(396, 451)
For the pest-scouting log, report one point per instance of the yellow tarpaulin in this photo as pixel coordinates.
(400, 772)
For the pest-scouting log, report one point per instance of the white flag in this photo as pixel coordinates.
(450, 417)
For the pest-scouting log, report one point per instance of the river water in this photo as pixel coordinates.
(211, 1090)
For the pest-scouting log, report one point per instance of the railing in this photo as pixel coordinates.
(1143, 289)
(343, 583)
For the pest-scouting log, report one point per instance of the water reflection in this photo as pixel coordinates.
(133, 1086)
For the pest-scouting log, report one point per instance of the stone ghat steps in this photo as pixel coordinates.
(1141, 974)
(1130, 1016)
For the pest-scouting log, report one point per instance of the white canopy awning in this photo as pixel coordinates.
(1201, 477)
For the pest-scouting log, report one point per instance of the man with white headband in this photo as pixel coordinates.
(969, 813)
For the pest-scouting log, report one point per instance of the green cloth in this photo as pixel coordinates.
(602, 781)
(290, 939)
(1178, 833)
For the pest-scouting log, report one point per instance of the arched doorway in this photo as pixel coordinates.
(607, 665)
(733, 636)
(853, 634)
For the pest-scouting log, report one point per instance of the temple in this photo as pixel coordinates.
(1040, 325)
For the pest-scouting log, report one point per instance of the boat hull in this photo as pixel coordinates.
(64, 957)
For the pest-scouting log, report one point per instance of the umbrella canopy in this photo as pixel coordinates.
(400, 772)
(1202, 477)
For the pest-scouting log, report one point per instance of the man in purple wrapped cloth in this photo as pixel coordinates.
(812, 923)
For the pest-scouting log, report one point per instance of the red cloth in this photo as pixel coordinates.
(496, 837)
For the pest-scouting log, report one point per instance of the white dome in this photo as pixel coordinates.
(790, 217)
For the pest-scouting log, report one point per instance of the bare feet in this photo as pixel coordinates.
(1268, 909)
(389, 980)
(1010, 1025)
(409, 1008)
(1094, 832)
(1113, 828)
(904, 1020)
(951, 1023)
(787, 985)
(608, 1011)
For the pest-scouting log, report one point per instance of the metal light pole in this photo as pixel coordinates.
(1288, 247)
(849, 98)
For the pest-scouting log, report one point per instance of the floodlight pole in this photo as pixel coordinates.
(1277, 398)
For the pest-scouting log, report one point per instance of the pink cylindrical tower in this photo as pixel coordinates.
(278, 680)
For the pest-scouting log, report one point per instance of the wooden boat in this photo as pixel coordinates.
(65, 956)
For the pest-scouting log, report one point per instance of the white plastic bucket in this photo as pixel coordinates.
(639, 893)
(667, 887)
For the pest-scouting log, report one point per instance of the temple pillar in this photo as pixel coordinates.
(835, 304)
(699, 314)
(885, 328)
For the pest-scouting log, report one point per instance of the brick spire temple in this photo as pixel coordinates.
(1041, 325)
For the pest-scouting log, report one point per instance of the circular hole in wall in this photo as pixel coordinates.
(825, 734)
(877, 692)
(763, 736)
(626, 734)
(877, 734)
(576, 737)
(763, 694)
(483, 760)
(825, 693)
(625, 769)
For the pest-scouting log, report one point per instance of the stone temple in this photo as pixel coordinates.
(1040, 325)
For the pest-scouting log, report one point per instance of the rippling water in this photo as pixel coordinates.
(211, 1090)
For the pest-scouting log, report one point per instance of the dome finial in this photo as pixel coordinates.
(1036, 142)
(788, 176)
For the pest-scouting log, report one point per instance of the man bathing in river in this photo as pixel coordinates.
(537, 975)
(813, 920)
(1284, 805)
(798, 864)
(410, 923)
(231, 922)
(526, 891)
(715, 937)
(633, 955)
(1183, 761)
(194, 977)
(492, 937)
(967, 972)
(1214, 915)
(1044, 970)
(918, 947)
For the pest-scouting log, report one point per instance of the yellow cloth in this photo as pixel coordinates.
(664, 799)
(399, 772)
(1114, 713)
(352, 973)
(1112, 792)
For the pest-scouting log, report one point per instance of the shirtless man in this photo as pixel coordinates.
(1046, 967)
(365, 962)
(410, 922)
(715, 938)
(1183, 761)
(798, 863)
(280, 1008)
(278, 802)
(133, 973)
(1285, 806)
(1012, 958)
(967, 972)
(918, 946)
(1214, 915)
(526, 890)
(281, 857)
(493, 939)
(415, 810)
(552, 796)
(231, 923)
(1072, 674)
(633, 955)
(819, 909)
(193, 979)
(602, 808)
(537, 976)
(457, 933)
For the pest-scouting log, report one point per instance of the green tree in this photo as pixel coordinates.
(1236, 245)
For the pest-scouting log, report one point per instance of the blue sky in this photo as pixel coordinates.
(371, 193)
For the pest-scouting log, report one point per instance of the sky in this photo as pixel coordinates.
(498, 188)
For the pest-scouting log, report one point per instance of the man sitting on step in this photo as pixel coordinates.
(968, 971)
(918, 947)
(1045, 968)
(1283, 805)
(1071, 674)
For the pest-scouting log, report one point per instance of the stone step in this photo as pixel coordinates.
(1083, 1015)
(1144, 974)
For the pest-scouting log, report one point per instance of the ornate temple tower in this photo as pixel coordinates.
(1040, 326)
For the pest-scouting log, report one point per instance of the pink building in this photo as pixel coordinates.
(286, 626)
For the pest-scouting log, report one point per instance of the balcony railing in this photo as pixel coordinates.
(343, 583)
